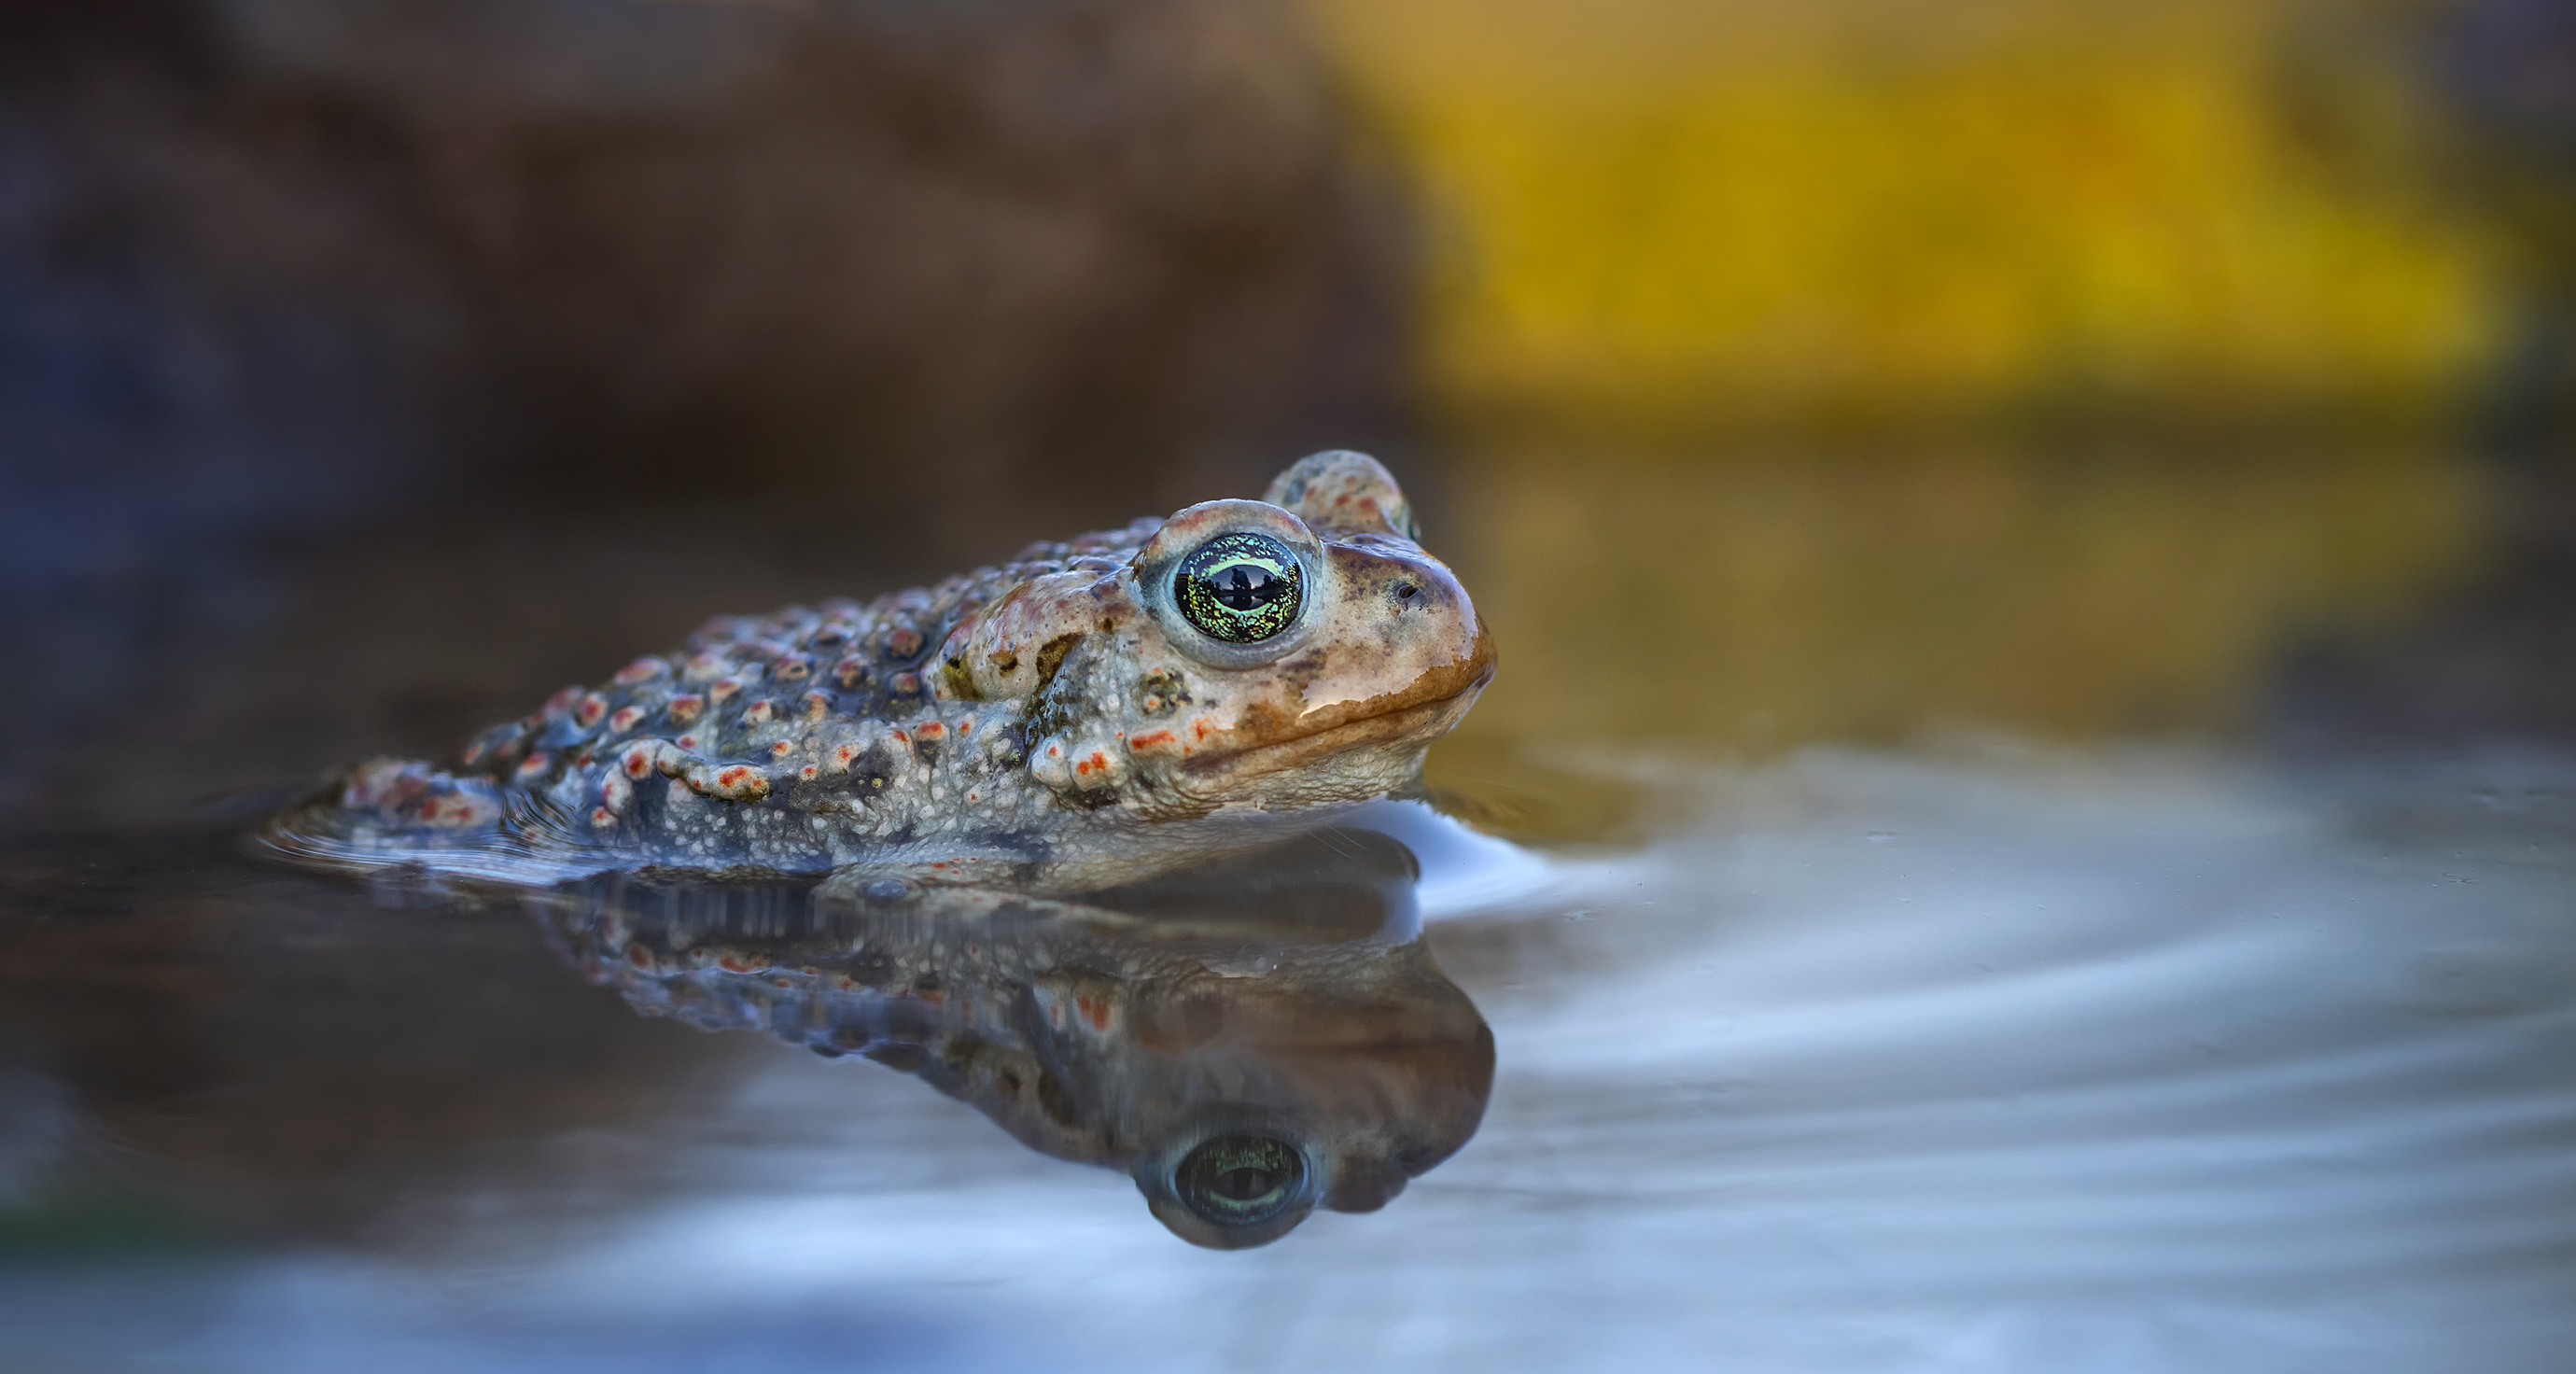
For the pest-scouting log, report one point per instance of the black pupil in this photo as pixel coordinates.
(1239, 587)
(1245, 587)
(1244, 1185)
(1241, 1180)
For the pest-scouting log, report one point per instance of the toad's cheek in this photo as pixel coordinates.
(1402, 633)
(1350, 761)
(1310, 729)
(1364, 680)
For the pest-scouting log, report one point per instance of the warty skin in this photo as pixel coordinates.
(1057, 723)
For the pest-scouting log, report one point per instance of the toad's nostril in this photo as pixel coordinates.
(1406, 591)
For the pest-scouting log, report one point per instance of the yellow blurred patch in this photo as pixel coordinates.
(1674, 217)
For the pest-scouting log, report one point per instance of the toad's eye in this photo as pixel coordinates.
(1241, 1180)
(1240, 588)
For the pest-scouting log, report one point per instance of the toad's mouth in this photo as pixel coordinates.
(1414, 724)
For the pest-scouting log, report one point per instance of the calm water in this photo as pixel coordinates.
(1756, 1050)
(2015, 1062)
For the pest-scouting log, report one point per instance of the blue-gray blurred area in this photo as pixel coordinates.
(2495, 655)
(2506, 71)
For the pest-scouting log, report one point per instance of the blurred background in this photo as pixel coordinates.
(1960, 387)
(1867, 372)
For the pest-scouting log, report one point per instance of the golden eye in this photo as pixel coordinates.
(1240, 588)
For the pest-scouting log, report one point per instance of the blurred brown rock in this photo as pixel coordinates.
(310, 256)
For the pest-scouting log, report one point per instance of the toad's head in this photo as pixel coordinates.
(1293, 651)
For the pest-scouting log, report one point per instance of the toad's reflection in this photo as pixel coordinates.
(1248, 1042)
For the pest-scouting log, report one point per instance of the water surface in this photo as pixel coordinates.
(2001, 1060)
(1802, 1006)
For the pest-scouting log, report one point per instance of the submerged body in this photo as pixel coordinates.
(1091, 711)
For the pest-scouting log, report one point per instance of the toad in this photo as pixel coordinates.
(1089, 713)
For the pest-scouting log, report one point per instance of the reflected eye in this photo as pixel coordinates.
(1240, 588)
(1241, 1180)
